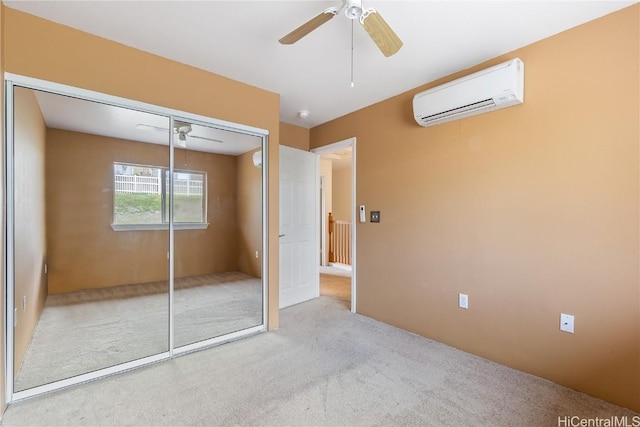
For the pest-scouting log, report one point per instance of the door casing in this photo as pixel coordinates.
(327, 149)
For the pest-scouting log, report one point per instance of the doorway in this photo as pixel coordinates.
(336, 191)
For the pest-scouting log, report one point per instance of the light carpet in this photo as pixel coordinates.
(83, 331)
(324, 366)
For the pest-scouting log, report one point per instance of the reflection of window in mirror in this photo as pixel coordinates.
(189, 197)
(141, 198)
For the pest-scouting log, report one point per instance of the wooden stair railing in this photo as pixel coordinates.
(339, 241)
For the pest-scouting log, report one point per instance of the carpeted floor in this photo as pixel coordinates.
(83, 331)
(324, 366)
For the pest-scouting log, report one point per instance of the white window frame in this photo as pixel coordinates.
(164, 204)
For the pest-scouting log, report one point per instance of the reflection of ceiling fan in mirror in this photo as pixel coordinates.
(182, 129)
(380, 32)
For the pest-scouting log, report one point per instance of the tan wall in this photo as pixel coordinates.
(85, 252)
(294, 136)
(531, 211)
(216, 248)
(42, 49)
(30, 243)
(249, 202)
(341, 183)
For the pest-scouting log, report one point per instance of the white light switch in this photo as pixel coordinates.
(566, 323)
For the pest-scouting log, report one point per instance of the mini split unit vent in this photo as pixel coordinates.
(487, 90)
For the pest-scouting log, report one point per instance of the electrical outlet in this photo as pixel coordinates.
(257, 255)
(24, 303)
(566, 322)
(463, 301)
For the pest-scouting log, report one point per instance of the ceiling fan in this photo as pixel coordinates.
(384, 37)
(182, 129)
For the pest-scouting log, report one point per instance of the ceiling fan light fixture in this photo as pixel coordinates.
(353, 9)
(380, 32)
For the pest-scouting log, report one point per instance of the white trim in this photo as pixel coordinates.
(354, 244)
(330, 148)
(172, 228)
(190, 348)
(323, 215)
(340, 266)
(147, 227)
(265, 231)
(89, 376)
(10, 243)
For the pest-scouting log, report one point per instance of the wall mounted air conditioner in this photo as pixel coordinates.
(487, 90)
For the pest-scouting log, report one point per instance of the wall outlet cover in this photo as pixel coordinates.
(566, 322)
(463, 301)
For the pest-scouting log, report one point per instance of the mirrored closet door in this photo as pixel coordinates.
(134, 234)
(217, 206)
(88, 295)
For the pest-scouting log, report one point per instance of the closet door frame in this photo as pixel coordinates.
(13, 80)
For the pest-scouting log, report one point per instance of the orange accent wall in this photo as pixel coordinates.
(42, 49)
(532, 211)
(294, 136)
(85, 252)
(341, 193)
(249, 206)
(29, 213)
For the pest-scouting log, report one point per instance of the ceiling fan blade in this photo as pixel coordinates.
(380, 32)
(202, 137)
(149, 127)
(309, 26)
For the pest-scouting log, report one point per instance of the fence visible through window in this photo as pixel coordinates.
(137, 184)
(142, 198)
(151, 185)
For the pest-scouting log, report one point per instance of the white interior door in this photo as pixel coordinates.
(299, 275)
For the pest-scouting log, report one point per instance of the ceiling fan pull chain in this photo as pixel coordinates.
(352, 53)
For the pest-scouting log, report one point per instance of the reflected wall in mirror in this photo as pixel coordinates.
(217, 206)
(87, 296)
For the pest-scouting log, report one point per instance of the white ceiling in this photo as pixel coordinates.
(239, 39)
(78, 115)
(340, 159)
